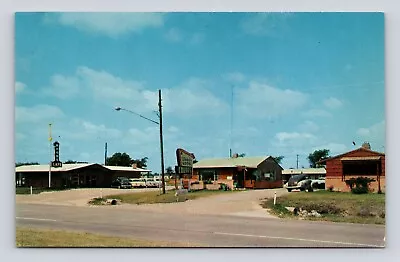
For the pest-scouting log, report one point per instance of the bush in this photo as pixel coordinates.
(361, 184)
(330, 188)
(359, 190)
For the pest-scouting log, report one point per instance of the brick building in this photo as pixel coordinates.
(73, 175)
(240, 172)
(362, 162)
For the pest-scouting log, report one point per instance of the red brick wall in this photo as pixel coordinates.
(339, 185)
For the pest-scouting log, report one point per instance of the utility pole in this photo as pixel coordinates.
(297, 165)
(161, 141)
(50, 139)
(105, 154)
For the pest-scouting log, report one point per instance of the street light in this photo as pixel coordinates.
(161, 133)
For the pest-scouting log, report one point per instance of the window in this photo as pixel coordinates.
(360, 168)
(208, 174)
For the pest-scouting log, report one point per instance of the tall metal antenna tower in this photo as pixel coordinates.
(231, 127)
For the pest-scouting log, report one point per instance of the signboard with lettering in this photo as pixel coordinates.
(56, 162)
(185, 161)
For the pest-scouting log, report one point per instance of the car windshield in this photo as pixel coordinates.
(296, 178)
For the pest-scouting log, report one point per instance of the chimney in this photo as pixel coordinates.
(134, 165)
(366, 145)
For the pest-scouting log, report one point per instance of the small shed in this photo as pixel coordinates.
(361, 162)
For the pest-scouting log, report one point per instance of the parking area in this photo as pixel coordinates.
(77, 197)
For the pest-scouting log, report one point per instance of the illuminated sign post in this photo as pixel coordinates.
(56, 162)
(185, 164)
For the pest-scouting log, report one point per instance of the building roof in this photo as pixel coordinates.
(251, 162)
(358, 149)
(360, 158)
(127, 168)
(309, 171)
(69, 167)
(45, 168)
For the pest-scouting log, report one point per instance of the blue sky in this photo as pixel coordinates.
(300, 82)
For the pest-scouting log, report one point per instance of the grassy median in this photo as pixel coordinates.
(333, 206)
(26, 237)
(153, 197)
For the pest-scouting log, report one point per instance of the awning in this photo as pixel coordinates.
(361, 158)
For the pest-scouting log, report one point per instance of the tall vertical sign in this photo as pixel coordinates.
(56, 162)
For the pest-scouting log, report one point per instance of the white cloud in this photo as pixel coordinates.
(62, 87)
(309, 126)
(84, 129)
(37, 113)
(235, 77)
(333, 103)
(109, 24)
(197, 38)
(316, 113)
(173, 129)
(285, 136)
(261, 100)
(174, 35)
(192, 98)
(19, 87)
(264, 23)
(348, 67)
(334, 148)
(375, 134)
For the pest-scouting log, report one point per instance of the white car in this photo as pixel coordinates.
(138, 182)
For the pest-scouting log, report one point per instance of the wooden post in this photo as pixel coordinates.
(379, 177)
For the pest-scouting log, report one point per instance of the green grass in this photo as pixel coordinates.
(152, 197)
(333, 206)
(26, 237)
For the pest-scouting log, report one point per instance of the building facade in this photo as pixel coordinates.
(240, 172)
(362, 162)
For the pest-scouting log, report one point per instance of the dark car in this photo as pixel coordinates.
(301, 182)
(121, 182)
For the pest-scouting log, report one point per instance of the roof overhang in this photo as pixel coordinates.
(361, 158)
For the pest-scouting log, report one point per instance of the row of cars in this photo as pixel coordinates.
(124, 182)
(303, 182)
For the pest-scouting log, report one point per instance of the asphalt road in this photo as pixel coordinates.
(203, 229)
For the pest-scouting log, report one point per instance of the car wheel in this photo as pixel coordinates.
(302, 189)
(289, 190)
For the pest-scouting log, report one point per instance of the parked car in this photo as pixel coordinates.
(318, 183)
(301, 182)
(138, 182)
(121, 182)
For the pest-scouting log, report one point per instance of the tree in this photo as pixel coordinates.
(26, 164)
(279, 159)
(169, 171)
(242, 155)
(316, 156)
(119, 159)
(141, 163)
(69, 161)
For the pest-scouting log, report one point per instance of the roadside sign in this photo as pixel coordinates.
(185, 161)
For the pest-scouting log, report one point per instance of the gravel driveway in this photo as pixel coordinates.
(245, 203)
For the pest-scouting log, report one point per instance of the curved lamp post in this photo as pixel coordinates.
(161, 133)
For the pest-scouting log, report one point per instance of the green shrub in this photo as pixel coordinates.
(359, 185)
(330, 188)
